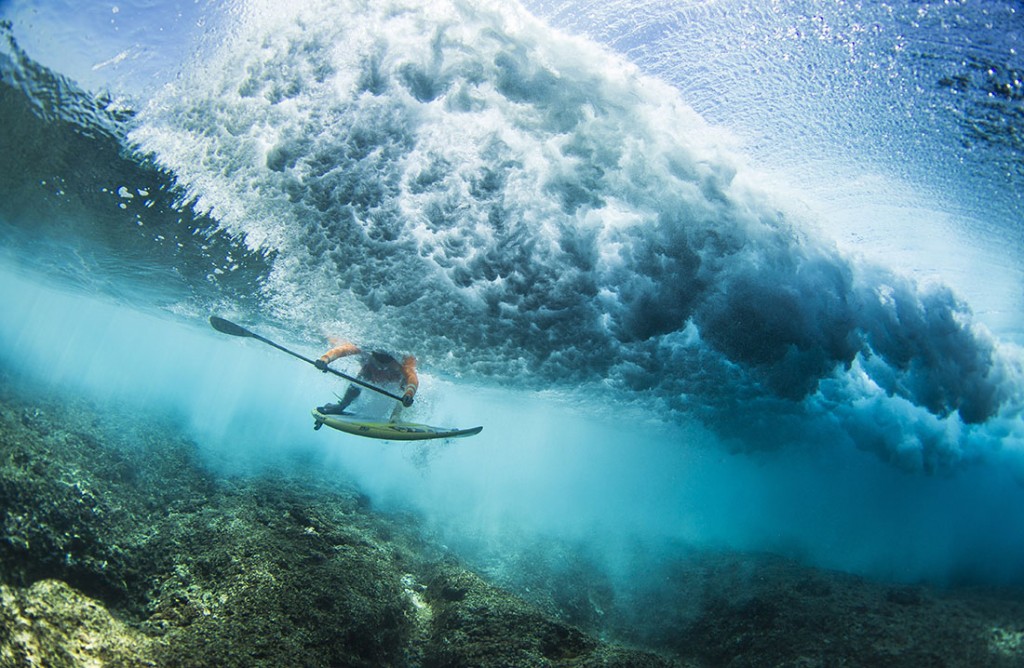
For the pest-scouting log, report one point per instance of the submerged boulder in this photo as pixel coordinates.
(52, 624)
(477, 624)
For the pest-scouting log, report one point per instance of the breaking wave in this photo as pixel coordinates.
(458, 179)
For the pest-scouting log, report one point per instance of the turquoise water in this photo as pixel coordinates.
(708, 274)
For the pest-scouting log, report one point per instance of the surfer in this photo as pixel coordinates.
(379, 368)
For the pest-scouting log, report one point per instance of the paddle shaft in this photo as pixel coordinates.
(228, 327)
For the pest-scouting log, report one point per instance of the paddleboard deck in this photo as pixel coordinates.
(389, 431)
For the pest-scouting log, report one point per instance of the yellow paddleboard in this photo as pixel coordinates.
(390, 431)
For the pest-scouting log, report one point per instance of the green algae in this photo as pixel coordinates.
(477, 624)
(52, 624)
(178, 567)
(120, 548)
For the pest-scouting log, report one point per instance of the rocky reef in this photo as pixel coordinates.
(120, 548)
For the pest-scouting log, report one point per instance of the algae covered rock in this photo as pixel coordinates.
(120, 548)
(70, 503)
(750, 609)
(51, 624)
(267, 573)
(476, 624)
(188, 569)
(249, 571)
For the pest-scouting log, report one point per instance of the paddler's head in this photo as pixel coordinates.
(381, 359)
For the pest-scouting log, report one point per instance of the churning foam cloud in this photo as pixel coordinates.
(458, 179)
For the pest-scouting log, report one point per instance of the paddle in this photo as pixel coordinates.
(228, 327)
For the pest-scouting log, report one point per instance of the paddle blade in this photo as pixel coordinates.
(228, 327)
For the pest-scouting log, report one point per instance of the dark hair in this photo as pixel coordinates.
(382, 357)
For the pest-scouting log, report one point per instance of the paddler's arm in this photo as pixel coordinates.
(410, 381)
(343, 349)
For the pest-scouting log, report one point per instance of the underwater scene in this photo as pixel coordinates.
(716, 309)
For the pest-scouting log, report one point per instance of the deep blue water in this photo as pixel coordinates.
(707, 273)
